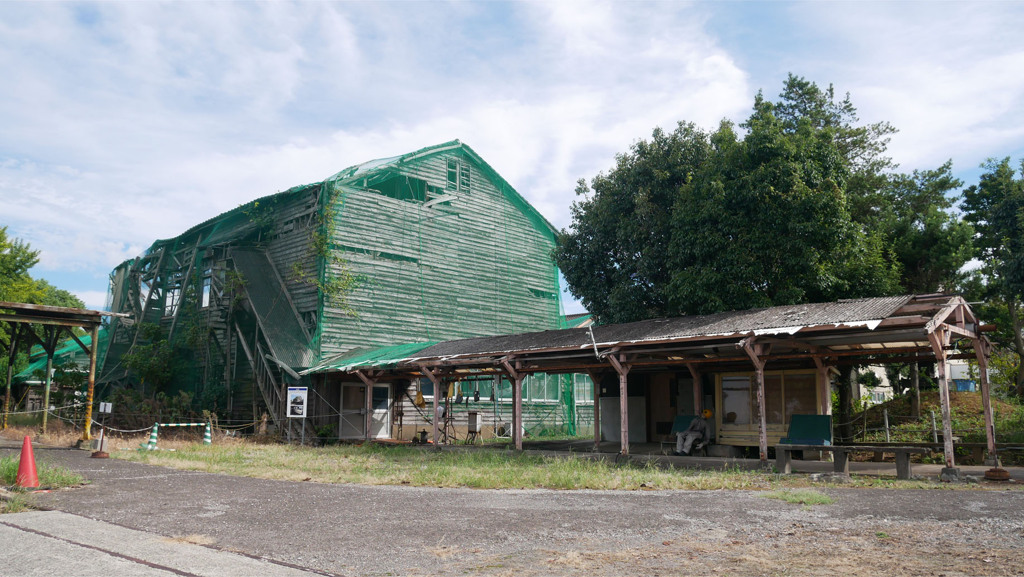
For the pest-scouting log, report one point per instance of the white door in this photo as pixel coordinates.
(380, 423)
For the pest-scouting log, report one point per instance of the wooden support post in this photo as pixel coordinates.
(86, 433)
(368, 380)
(623, 370)
(939, 339)
(981, 351)
(52, 336)
(755, 351)
(517, 401)
(437, 393)
(595, 378)
(824, 386)
(698, 398)
(15, 332)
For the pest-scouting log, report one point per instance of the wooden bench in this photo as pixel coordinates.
(784, 456)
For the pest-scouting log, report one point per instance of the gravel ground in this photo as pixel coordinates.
(400, 530)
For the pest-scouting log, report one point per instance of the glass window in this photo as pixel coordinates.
(505, 389)
(485, 384)
(426, 387)
(584, 388)
(554, 386)
(801, 395)
(380, 398)
(204, 298)
(736, 400)
(453, 174)
(171, 301)
(772, 399)
(535, 387)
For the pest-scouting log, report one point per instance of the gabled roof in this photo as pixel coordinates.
(366, 169)
(357, 172)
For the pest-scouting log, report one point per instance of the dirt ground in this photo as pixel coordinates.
(360, 530)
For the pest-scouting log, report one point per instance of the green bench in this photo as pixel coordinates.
(808, 430)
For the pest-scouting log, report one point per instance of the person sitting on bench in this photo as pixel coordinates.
(697, 433)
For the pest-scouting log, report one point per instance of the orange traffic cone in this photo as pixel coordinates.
(27, 476)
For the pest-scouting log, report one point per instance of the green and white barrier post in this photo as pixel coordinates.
(152, 437)
(207, 435)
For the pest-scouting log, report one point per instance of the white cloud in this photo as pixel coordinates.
(945, 74)
(128, 122)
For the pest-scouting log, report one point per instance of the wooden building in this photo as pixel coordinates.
(428, 246)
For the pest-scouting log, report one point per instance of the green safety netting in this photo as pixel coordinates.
(37, 360)
(428, 246)
(378, 358)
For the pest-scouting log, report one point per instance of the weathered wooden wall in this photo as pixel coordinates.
(475, 266)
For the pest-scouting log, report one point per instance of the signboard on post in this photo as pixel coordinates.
(297, 402)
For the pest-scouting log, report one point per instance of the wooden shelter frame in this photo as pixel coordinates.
(55, 322)
(925, 328)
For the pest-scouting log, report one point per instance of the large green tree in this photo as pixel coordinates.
(17, 285)
(695, 222)
(800, 204)
(996, 208)
(617, 257)
(16, 258)
(929, 241)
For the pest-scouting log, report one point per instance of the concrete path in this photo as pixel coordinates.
(132, 512)
(49, 543)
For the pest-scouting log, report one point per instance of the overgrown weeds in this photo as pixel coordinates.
(50, 476)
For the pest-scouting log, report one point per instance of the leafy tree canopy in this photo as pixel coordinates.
(995, 206)
(17, 285)
(797, 204)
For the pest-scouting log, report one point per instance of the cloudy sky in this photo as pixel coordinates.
(121, 123)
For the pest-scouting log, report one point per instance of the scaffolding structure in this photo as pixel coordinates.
(432, 245)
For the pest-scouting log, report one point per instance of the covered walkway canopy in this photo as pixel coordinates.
(913, 328)
(55, 322)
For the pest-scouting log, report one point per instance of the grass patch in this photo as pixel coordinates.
(50, 476)
(801, 497)
(402, 465)
(14, 503)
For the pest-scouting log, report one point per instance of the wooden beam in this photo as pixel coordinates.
(369, 382)
(11, 353)
(623, 370)
(517, 376)
(595, 378)
(939, 339)
(824, 386)
(91, 387)
(960, 331)
(36, 320)
(425, 371)
(698, 398)
(184, 283)
(981, 349)
(940, 317)
(755, 350)
(911, 320)
(918, 308)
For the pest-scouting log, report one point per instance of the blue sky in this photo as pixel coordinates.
(127, 122)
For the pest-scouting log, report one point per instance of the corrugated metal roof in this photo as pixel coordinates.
(774, 320)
